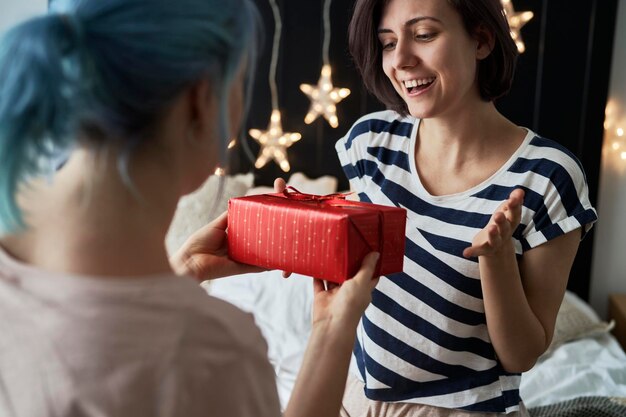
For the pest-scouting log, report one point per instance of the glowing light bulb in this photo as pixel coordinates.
(516, 21)
(620, 132)
(274, 143)
(615, 146)
(323, 98)
(623, 155)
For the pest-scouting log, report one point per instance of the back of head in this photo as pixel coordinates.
(106, 71)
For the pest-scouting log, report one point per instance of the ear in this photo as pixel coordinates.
(201, 107)
(486, 41)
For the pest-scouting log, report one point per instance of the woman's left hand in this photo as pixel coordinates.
(498, 232)
(205, 254)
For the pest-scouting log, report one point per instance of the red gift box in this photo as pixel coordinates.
(321, 236)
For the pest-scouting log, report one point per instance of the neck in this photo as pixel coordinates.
(87, 221)
(464, 136)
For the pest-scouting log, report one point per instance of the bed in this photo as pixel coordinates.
(583, 373)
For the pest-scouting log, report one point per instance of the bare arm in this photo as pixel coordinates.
(521, 299)
(322, 378)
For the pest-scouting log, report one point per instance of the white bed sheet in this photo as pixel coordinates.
(593, 366)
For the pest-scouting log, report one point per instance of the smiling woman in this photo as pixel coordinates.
(490, 205)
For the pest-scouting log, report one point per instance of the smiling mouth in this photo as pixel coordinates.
(419, 84)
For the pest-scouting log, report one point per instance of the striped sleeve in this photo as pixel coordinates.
(350, 153)
(375, 139)
(555, 174)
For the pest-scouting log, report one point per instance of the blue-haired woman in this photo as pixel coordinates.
(137, 98)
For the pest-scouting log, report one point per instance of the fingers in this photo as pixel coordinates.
(500, 226)
(368, 267)
(492, 237)
(512, 207)
(318, 285)
(220, 222)
(469, 252)
(503, 223)
(331, 285)
(279, 185)
(517, 197)
(365, 275)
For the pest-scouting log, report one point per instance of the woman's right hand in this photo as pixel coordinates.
(345, 302)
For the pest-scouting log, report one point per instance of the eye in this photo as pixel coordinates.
(425, 36)
(388, 45)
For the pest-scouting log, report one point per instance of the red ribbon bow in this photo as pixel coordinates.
(293, 194)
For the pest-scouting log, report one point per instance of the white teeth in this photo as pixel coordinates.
(417, 82)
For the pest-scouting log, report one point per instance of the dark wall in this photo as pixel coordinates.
(300, 61)
(560, 88)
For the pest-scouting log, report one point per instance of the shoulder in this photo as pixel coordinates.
(544, 159)
(382, 129)
(551, 153)
(383, 123)
(557, 193)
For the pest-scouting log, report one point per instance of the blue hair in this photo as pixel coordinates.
(107, 70)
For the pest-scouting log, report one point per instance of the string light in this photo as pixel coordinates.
(274, 142)
(615, 138)
(324, 96)
(516, 21)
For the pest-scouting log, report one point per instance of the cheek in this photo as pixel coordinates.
(388, 70)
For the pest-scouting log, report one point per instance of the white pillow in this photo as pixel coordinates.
(576, 320)
(321, 186)
(203, 205)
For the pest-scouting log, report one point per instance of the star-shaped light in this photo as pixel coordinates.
(323, 98)
(274, 143)
(516, 21)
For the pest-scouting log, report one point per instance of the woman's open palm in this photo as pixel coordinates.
(500, 228)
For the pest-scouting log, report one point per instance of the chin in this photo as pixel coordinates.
(420, 113)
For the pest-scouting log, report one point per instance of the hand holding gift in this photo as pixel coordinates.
(205, 254)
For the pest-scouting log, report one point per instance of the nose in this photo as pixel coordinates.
(404, 54)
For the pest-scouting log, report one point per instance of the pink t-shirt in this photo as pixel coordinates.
(126, 347)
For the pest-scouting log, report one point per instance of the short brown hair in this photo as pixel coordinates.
(495, 72)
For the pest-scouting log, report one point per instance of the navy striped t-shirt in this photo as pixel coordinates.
(424, 337)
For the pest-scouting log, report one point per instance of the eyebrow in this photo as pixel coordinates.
(410, 22)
